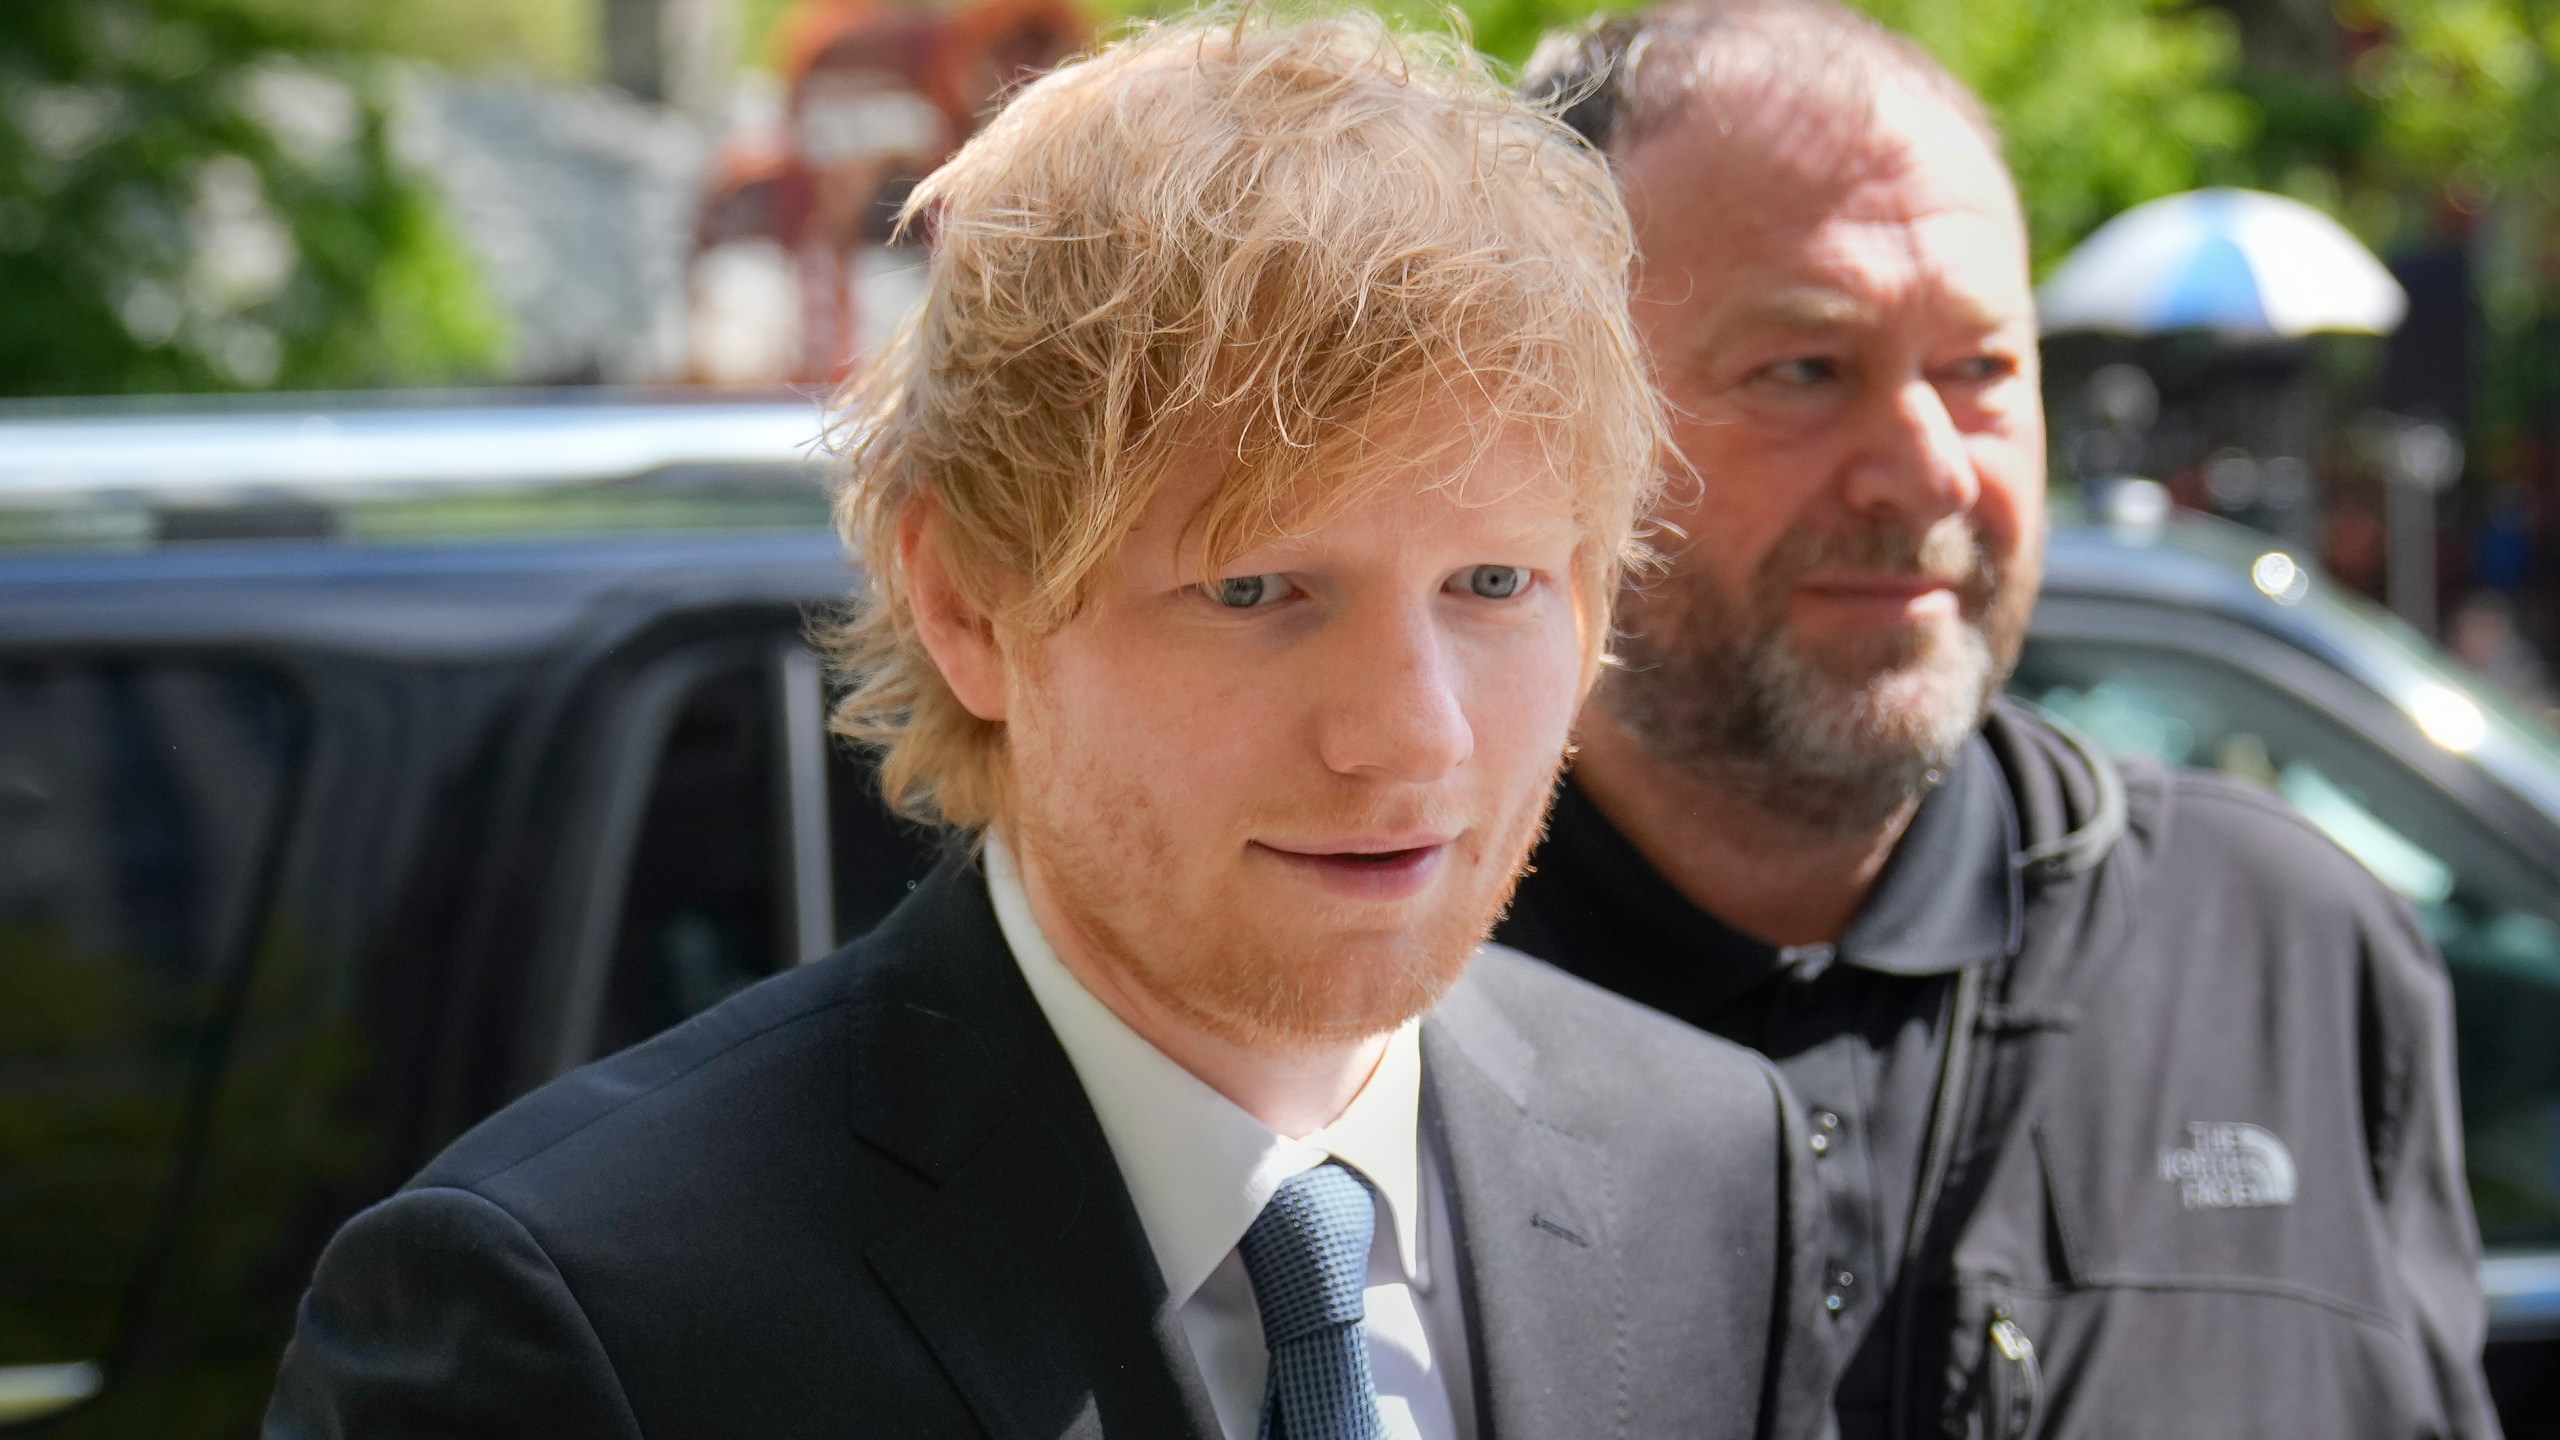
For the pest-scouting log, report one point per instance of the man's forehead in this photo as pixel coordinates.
(1499, 488)
(1758, 230)
(1838, 271)
(1496, 487)
(1769, 179)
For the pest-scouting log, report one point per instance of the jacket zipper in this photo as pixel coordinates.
(2016, 1383)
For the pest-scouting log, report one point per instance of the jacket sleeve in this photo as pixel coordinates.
(436, 1314)
(2418, 1171)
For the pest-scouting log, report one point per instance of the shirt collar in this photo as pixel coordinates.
(1198, 1167)
(1949, 895)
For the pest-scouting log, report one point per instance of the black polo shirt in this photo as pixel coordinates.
(1855, 1028)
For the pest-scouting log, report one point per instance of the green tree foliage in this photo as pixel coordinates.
(2107, 103)
(197, 195)
(2103, 103)
(2465, 103)
(552, 39)
(2461, 89)
(2463, 100)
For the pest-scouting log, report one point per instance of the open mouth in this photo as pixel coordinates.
(1366, 874)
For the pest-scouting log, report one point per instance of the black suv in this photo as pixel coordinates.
(362, 767)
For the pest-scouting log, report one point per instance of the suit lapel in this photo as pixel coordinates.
(1535, 1230)
(1021, 1262)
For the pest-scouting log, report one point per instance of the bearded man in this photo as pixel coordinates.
(1240, 520)
(2131, 1096)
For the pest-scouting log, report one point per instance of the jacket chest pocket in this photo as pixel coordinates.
(2226, 1285)
(2216, 1203)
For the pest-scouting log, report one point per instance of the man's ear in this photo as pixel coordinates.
(959, 636)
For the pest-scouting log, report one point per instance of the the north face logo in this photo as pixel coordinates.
(2229, 1166)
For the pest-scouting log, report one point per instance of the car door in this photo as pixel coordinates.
(718, 835)
(142, 806)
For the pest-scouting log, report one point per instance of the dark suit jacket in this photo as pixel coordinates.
(868, 1197)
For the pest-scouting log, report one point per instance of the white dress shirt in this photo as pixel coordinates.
(1199, 1170)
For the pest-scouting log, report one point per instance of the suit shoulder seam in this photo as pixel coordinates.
(621, 1390)
(626, 1102)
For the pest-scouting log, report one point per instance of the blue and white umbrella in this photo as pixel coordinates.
(2240, 262)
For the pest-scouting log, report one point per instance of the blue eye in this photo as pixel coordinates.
(1496, 582)
(1246, 592)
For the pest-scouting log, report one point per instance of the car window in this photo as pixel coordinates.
(2492, 911)
(743, 797)
(875, 856)
(706, 898)
(139, 804)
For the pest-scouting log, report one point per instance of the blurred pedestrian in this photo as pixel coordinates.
(2132, 1095)
(2484, 636)
(1240, 528)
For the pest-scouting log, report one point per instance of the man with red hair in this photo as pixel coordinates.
(1240, 522)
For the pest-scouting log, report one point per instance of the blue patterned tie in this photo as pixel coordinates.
(1308, 1257)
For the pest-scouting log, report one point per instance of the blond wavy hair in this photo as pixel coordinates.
(1286, 239)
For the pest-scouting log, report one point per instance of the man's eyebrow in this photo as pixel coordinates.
(1806, 307)
(1815, 308)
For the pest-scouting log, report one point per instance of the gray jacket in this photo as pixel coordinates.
(2204, 1173)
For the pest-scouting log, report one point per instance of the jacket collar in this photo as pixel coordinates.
(1022, 1262)
(1020, 1259)
(1949, 896)
(1528, 1196)
(2070, 795)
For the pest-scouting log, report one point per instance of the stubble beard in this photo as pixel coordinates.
(1711, 681)
(1236, 969)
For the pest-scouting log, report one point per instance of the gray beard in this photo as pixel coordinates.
(1738, 706)
(1824, 756)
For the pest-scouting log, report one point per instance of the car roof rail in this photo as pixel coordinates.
(267, 450)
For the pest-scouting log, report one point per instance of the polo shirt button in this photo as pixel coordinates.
(1825, 1123)
(1838, 1300)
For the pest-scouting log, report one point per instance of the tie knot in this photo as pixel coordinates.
(1308, 1254)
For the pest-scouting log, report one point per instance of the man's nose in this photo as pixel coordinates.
(1395, 710)
(1912, 460)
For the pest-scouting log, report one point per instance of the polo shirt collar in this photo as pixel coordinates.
(1950, 895)
(1199, 1168)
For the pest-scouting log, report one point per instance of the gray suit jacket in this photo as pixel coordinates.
(869, 1197)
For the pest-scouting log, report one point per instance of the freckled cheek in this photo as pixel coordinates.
(1520, 703)
(1191, 729)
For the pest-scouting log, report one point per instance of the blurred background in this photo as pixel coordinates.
(255, 195)
(409, 527)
